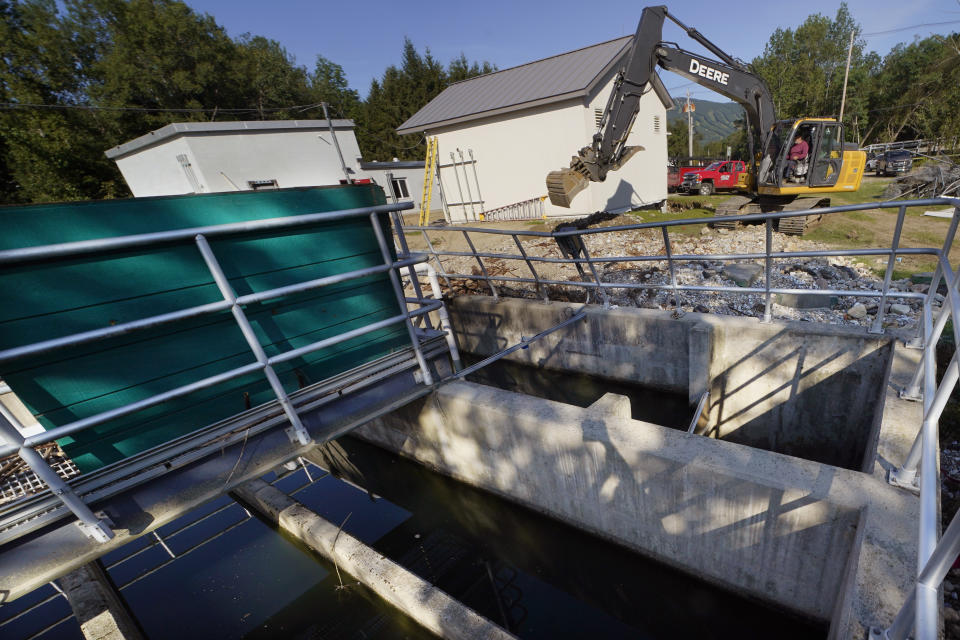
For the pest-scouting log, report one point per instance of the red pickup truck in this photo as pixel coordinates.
(675, 176)
(720, 175)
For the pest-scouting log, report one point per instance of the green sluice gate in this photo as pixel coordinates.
(47, 299)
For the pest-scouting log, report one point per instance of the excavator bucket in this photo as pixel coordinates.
(563, 185)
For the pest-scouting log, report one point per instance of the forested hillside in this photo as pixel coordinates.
(81, 76)
(712, 120)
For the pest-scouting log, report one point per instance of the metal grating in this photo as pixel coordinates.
(18, 481)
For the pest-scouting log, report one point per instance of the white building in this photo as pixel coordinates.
(204, 157)
(402, 180)
(509, 128)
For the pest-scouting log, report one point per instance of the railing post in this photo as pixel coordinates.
(401, 299)
(90, 524)
(673, 276)
(933, 573)
(411, 271)
(483, 268)
(912, 390)
(768, 268)
(877, 326)
(299, 432)
(596, 276)
(917, 342)
(540, 288)
(906, 474)
(436, 256)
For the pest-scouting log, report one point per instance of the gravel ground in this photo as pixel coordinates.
(801, 273)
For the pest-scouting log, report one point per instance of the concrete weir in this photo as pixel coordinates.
(780, 491)
(411, 594)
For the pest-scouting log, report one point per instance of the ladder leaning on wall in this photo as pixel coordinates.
(428, 168)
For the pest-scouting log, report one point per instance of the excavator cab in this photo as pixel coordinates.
(826, 161)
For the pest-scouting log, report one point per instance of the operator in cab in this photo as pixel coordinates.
(798, 152)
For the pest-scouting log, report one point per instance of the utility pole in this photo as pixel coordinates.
(689, 111)
(333, 134)
(846, 74)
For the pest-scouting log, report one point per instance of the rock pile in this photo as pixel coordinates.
(652, 285)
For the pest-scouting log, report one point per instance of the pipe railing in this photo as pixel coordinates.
(11, 440)
(918, 616)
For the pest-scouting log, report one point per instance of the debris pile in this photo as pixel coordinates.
(833, 273)
(929, 181)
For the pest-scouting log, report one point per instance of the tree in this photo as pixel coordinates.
(401, 92)
(677, 146)
(46, 149)
(85, 75)
(804, 68)
(268, 78)
(462, 69)
(915, 93)
(328, 83)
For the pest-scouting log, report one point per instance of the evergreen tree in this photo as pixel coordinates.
(328, 83)
(268, 78)
(804, 68)
(401, 92)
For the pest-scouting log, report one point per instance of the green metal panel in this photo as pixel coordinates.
(58, 298)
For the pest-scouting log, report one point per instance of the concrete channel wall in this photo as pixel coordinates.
(826, 542)
(806, 390)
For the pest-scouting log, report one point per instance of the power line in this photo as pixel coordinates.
(915, 26)
(681, 86)
(82, 107)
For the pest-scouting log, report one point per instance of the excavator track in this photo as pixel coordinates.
(741, 205)
(732, 206)
(801, 224)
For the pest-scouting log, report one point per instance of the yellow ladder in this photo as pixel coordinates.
(428, 169)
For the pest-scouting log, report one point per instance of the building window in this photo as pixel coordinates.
(263, 185)
(656, 124)
(598, 116)
(399, 186)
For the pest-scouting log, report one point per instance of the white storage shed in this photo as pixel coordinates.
(500, 134)
(205, 157)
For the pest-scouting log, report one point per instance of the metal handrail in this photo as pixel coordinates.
(919, 612)
(12, 442)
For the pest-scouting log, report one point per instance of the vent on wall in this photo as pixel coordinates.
(598, 116)
(656, 124)
(262, 185)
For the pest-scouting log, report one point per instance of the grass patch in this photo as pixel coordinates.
(696, 201)
(870, 191)
(843, 230)
(687, 214)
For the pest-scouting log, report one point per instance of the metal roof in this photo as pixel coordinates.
(181, 128)
(394, 164)
(568, 75)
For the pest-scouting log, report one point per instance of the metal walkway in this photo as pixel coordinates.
(62, 517)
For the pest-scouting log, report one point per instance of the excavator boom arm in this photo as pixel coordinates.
(609, 150)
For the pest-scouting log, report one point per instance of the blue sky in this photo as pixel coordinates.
(367, 37)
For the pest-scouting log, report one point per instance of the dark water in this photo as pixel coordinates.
(666, 408)
(549, 580)
(538, 577)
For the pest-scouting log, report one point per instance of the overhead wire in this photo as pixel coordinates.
(84, 107)
(913, 26)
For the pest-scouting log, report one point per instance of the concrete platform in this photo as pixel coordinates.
(741, 507)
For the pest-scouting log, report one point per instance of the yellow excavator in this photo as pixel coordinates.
(831, 165)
